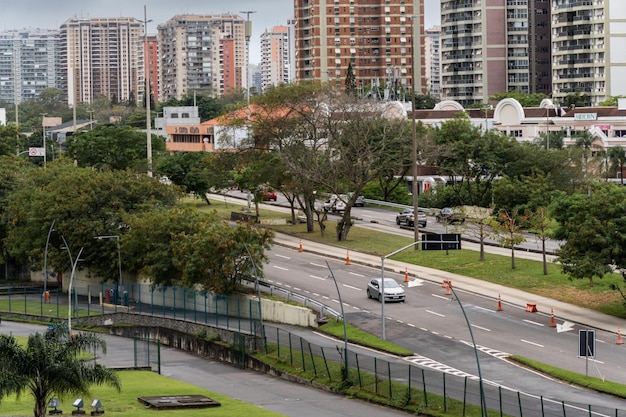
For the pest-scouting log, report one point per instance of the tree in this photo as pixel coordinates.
(526, 100)
(113, 147)
(617, 158)
(83, 203)
(482, 219)
(350, 81)
(593, 227)
(539, 222)
(186, 169)
(9, 139)
(49, 366)
(188, 248)
(509, 232)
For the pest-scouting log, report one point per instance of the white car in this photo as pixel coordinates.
(334, 204)
(393, 290)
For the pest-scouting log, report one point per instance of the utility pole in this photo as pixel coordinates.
(147, 90)
(248, 34)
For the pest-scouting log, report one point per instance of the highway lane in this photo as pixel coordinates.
(438, 329)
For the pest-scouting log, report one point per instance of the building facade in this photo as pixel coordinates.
(151, 67)
(487, 48)
(432, 46)
(29, 63)
(202, 53)
(587, 49)
(276, 59)
(102, 57)
(379, 38)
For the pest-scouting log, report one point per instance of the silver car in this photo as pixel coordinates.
(393, 290)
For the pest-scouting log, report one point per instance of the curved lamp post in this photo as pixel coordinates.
(73, 262)
(345, 330)
(45, 263)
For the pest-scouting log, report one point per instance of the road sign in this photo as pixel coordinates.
(587, 344)
(36, 151)
(445, 241)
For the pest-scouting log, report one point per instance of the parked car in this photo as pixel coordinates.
(269, 195)
(450, 215)
(407, 218)
(393, 290)
(360, 201)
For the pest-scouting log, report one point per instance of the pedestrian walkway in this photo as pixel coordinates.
(569, 312)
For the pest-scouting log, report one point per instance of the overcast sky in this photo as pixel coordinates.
(50, 14)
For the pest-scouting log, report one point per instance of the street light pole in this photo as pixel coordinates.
(415, 190)
(382, 280)
(248, 34)
(147, 91)
(73, 263)
(43, 126)
(45, 263)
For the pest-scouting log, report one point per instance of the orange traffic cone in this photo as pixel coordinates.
(499, 303)
(552, 322)
(406, 274)
(448, 286)
(347, 257)
(619, 336)
(300, 248)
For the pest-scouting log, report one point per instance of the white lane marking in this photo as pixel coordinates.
(297, 289)
(282, 256)
(280, 267)
(358, 275)
(534, 322)
(436, 314)
(410, 325)
(440, 296)
(320, 278)
(481, 328)
(351, 287)
(532, 343)
(321, 266)
(316, 294)
(483, 308)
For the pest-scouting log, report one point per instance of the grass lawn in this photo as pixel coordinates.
(527, 276)
(125, 403)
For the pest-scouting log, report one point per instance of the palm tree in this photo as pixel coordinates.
(48, 366)
(617, 156)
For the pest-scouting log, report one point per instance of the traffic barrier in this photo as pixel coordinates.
(552, 322)
(619, 336)
(499, 303)
(347, 257)
(531, 308)
(300, 248)
(406, 274)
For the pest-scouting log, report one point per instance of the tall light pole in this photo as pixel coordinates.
(45, 263)
(415, 190)
(382, 280)
(248, 34)
(147, 91)
(119, 256)
(43, 126)
(73, 262)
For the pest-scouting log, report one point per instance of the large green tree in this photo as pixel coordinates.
(50, 366)
(593, 227)
(113, 147)
(186, 169)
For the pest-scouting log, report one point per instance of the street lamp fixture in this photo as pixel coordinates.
(73, 262)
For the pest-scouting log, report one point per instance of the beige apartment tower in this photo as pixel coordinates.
(381, 39)
(102, 57)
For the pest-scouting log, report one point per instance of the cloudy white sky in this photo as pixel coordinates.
(50, 14)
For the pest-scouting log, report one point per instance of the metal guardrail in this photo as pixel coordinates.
(305, 301)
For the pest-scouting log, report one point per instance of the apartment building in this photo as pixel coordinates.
(380, 38)
(277, 64)
(204, 53)
(587, 49)
(432, 46)
(29, 63)
(102, 57)
(151, 64)
(494, 46)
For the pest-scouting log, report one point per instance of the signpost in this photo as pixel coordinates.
(445, 241)
(587, 346)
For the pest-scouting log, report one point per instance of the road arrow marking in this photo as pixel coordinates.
(415, 283)
(565, 327)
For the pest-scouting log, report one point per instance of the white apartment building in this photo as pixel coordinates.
(277, 63)
(102, 57)
(204, 53)
(587, 49)
(29, 63)
(432, 55)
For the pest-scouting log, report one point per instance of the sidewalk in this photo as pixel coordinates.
(565, 311)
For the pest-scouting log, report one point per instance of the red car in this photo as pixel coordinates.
(269, 195)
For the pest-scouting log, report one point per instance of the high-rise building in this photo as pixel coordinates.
(277, 64)
(380, 38)
(432, 46)
(487, 48)
(151, 66)
(587, 52)
(29, 63)
(102, 57)
(204, 53)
